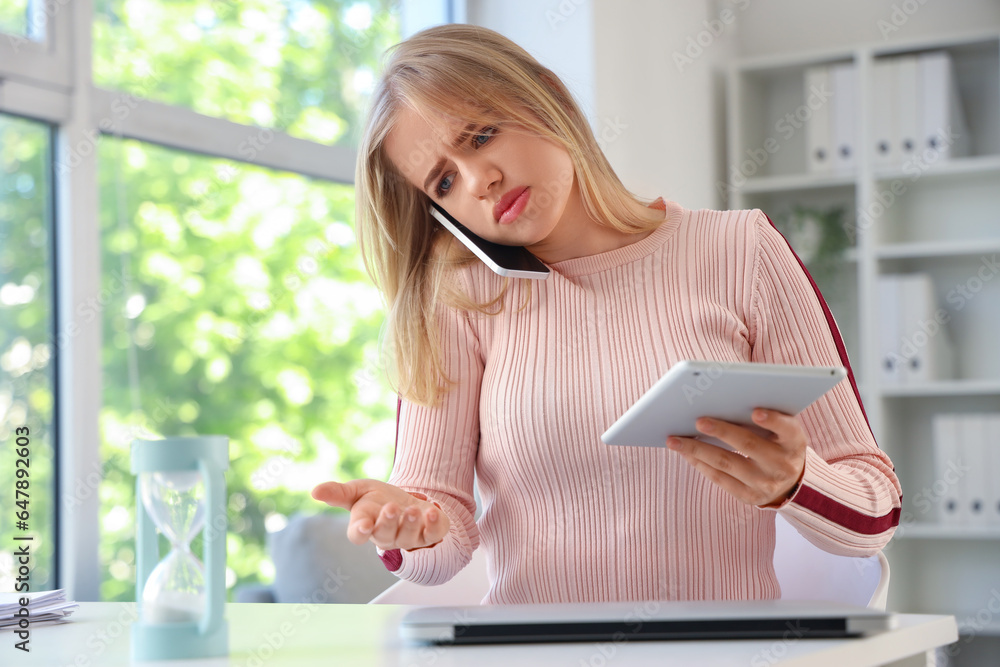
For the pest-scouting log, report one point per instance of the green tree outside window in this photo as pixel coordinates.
(236, 299)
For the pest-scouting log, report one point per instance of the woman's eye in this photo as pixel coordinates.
(444, 186)
(485, 134)
(478, 140)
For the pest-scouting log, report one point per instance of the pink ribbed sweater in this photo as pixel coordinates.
(567, 518)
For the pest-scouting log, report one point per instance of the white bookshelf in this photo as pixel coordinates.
(944, 220)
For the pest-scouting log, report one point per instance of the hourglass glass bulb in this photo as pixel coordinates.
(175, 591)
(176, 502)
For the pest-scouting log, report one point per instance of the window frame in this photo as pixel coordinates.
(52, 81)
(45, 62)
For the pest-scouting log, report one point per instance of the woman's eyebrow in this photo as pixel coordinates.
(439, 165)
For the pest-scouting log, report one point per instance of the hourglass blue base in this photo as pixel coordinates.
(178, 641)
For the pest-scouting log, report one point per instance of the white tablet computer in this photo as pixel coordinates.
(724, 390)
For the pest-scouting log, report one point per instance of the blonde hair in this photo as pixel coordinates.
(480, 76)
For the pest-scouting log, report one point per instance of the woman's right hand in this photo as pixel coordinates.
(385, 514)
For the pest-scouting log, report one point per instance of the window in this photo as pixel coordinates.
(239, 306)
(14, 17)
(301, 66)
(26, 350)
(226, 282)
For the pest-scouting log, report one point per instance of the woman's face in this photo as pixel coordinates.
(502, 183)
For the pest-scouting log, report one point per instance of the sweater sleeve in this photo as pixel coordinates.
(848, 502)
(435, 457)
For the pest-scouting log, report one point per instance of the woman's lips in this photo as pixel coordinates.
(511, 206)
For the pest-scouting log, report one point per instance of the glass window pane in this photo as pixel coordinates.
(238, 306)
(26, 363)
(302, 66)
(14, 17)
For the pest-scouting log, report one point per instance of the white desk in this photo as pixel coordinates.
(303, 634)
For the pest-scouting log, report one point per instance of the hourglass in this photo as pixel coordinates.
(180, 491)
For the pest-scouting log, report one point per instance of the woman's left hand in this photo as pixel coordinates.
(763, 470)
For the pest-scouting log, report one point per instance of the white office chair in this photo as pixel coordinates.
(804, 571)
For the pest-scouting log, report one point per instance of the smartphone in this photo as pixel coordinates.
(505, 260)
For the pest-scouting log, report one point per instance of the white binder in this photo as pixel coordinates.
(890, 360)
(819, 157)
(925, 343)
(991, 462)
(943, 129)
(844, 101)
(947, 459)
(908, 108)
(885, 149)
(976, 480)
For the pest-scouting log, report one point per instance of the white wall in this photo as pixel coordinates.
(558, 34)
(657, 74)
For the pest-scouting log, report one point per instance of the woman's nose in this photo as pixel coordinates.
(480, 178)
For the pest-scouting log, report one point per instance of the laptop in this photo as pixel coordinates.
(650, 620)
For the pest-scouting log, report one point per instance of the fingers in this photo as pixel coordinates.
(386, 526)
(705, 456)
(768, 461)
(411, 527)
(786, 428)
(436, 526)
(337, 494)
(727, 482)
(740, 438)
(385, 514)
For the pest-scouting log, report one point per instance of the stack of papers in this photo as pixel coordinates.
(45, 607)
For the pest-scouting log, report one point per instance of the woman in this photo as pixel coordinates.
(512, 382)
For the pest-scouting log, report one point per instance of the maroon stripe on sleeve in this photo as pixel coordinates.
(832, 323)
(841, 514)
(392, 559)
